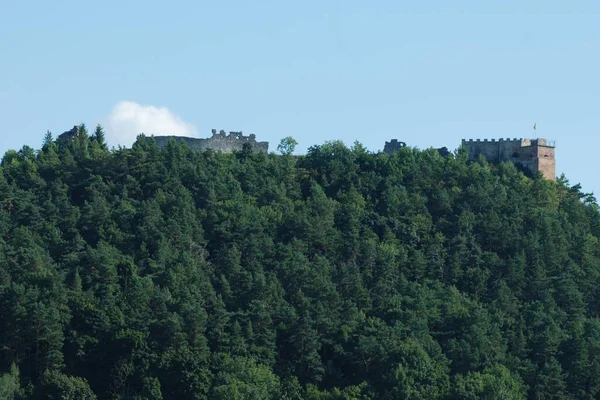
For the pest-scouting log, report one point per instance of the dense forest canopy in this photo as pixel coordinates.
(150, 273)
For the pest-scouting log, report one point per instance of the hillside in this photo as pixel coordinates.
(150, 273)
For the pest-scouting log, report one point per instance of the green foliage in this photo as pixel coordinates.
(287, 145)
(10, 386)
(495, 383)
(151, 273)
(57, 386)
(241, 378)
(358, 392)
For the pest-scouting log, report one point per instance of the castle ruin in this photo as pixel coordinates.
(536, 155)
(227, 143)
(70, 134)
(393, 146)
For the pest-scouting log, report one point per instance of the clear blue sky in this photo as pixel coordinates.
(424, 72)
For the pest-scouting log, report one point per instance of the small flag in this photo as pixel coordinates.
(534, 126)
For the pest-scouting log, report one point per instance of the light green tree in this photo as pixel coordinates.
(9, 383)
(287, 145)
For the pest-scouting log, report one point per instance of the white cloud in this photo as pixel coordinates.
(128, 119)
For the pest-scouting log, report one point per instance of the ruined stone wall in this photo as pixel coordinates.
(392, 146)
(219, 142)
(70, 134)
(395, 145)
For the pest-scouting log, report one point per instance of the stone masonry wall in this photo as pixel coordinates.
(218, 142)
(546, 163)
(533, 154)
(392, 146)
(70, 134)
(395, 145)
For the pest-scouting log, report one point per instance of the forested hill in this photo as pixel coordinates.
(150, 273)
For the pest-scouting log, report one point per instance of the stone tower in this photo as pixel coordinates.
(537, 155)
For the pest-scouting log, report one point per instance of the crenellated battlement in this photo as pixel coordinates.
(493, 140)
(521, 141)
(533, 154)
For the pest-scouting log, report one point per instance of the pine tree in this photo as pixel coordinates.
(47, 139)
(99, 136)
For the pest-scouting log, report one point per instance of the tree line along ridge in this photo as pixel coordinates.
(166, 273)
